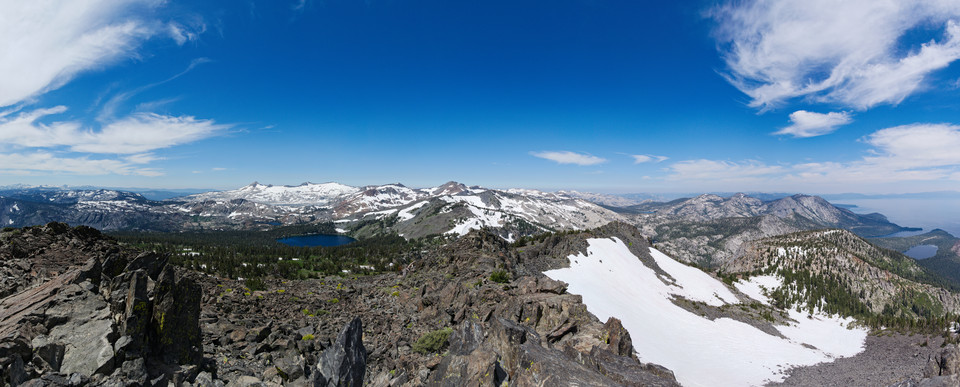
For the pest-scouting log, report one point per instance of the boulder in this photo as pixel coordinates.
(343, 363)
(87, 329)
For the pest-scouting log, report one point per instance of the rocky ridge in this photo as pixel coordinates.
(150, 323)
(711, 230)
(880, 279)
(93, 312)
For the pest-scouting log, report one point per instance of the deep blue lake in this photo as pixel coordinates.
(316, 240)
(921, 251)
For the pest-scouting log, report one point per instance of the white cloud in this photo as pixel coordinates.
(46, 162)
(567, 157)
(133, 137)
(137, 133)
(916, 146)
(640, 159)
(142, 132)
(848, 52)
(921, 153)
(46, 43)
(183, 34)
(810, 124)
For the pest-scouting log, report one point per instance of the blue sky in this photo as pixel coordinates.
(609, 96)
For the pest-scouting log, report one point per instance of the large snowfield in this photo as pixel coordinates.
(701, 352)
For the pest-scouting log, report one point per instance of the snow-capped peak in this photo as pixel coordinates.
(322, 194)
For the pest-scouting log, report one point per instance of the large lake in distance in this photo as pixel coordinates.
(928, 213)
(316, 240)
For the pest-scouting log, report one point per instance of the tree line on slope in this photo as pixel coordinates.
(257, 254)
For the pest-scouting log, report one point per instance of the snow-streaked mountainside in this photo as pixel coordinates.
(512, 213)
(616, 283)
(451, 208)
(304, 194)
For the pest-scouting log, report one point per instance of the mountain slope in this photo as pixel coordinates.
(852, 276)
(304, 194)
(804, 210)
(678, 307)
(450, 208)
(511, 214)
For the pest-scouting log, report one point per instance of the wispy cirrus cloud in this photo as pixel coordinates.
(918, 153)
(567, 157)
(851, 52)
(121, 147)
(109, 110)
(640, 159)
(811, 124)
(44, 44)
(137, 133)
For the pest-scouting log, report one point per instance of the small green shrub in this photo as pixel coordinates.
(307, 337)
(433, 342)
(333, 300)
(255, 284)
(500, 276)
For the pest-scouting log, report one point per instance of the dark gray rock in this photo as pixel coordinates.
(16, 374)
(87, 331)
(136, 314)
(344, 363)
(176, 318)
(150, 262)
(48, 354)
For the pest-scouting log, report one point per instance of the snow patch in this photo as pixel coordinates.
(694, 283)
(407, 213)
(758, 287)
(723, 352)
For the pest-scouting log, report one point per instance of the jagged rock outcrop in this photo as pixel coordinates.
(95, 312)
(503, 351)
(176, 318)
(344, 363)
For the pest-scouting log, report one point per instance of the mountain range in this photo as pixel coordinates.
(450, 208)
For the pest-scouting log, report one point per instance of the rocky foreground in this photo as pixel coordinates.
(78, 309)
